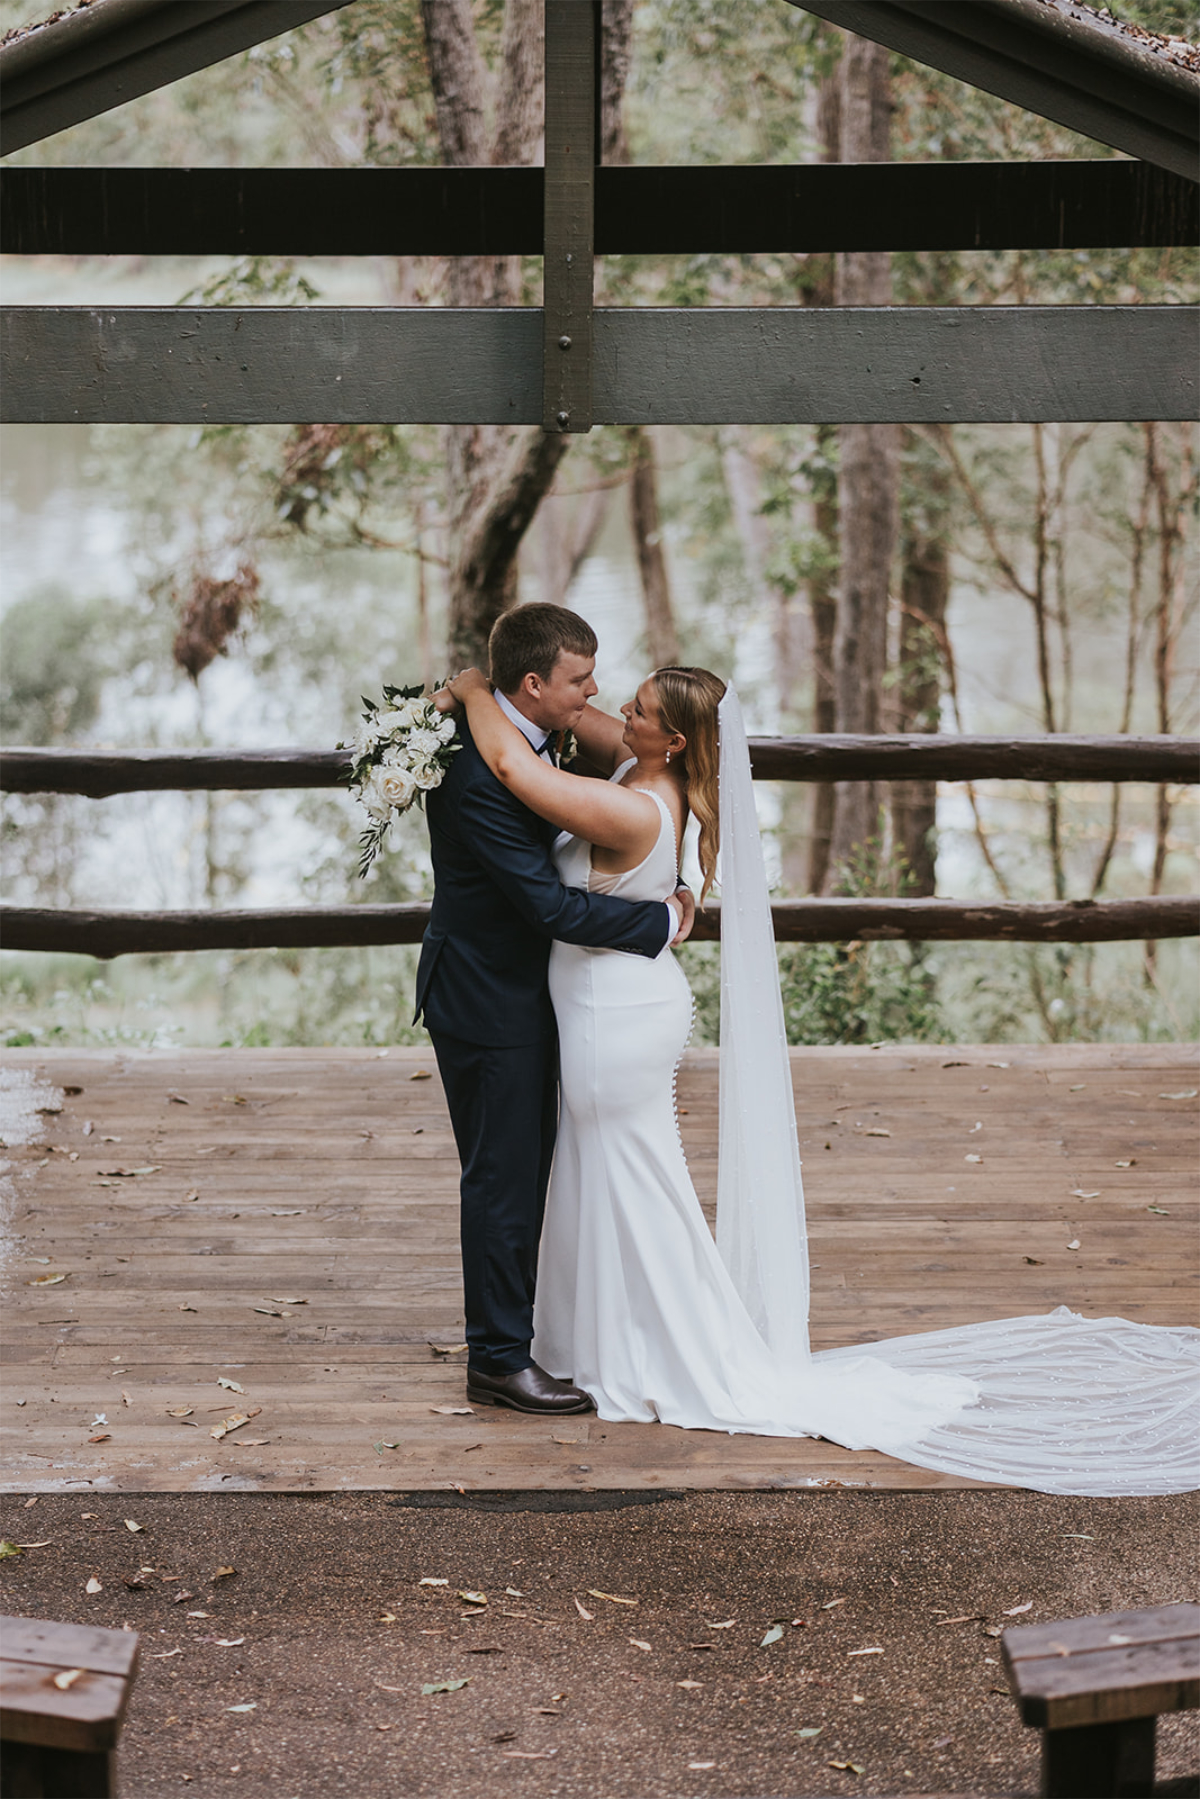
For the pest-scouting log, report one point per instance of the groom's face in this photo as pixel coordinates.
(557, 703)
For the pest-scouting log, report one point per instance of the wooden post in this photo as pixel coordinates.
(571, 33)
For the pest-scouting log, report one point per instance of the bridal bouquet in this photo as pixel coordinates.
(401, 751)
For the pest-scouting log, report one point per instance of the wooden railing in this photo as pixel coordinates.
(817, 758)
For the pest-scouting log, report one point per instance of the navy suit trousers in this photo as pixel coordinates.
(503, 1104)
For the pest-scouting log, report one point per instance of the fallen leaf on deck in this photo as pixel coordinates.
(192, 1193)
(126, 1398)
(8, 1549)
(235, 1422)
(102, 1438)
(427, 1580)
(177, 1099)
(1161, 1210)
(969, 1159)
(875, 1651)
(448, 1348)
(180, 1411)
(299, 1213)
(593, 1593)
(187, 1308)
(1132, 1163)
(252, 1707)
(1074, 1243)
(1188, 1093)
(223, 1573)
(88, 1127)
(238, 1099)
(68, 1678)
(470, 1598)
(875, 1131)
(277, 1299)
(433, 1686)
(1016, 1610)
(267, 1311)
(1078, 1193)
(422, 1074)
(232, 1386)
(772, 1636)
(640, 1643)
(46, 1280)
(131, 1524)
(583, 1611)
(229, 1642)
(454, 1411)
(1034, 1262)
(381, 1446)
(94, 1586)
(690, 1686)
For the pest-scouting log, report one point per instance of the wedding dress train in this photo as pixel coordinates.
(640, 1306)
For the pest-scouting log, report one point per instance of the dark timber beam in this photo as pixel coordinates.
(91, 61)
(1074, 68)
(639, 211)
(572, 40)
(107, 934)
(687, 366)
(832, 757)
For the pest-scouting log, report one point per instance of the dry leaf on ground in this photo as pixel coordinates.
(440, 1686)
(615, 1597)
(640, 1643)
(427, 1580)
(93, 1586)
(583, 1611)
(131, 1524)
(772, 1636)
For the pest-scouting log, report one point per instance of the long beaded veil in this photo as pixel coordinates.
(1062, 1403)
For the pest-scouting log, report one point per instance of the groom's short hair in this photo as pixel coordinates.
(529, 639)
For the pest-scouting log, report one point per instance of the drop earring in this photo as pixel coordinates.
(668, 755)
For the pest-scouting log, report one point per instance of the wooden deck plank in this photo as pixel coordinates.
(330, 1176)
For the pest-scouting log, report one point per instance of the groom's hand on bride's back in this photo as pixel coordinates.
(683, 904)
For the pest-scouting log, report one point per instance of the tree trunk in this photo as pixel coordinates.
(662, 638)
(496, 477)
(868, 474)
(924, 593)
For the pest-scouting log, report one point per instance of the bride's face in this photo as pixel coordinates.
(644, 731)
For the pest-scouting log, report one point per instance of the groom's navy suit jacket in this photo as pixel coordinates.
(497, 905)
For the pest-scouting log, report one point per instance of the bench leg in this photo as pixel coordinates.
(1099, 1761)
(31, 1771)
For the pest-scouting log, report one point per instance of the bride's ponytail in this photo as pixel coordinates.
(687, 702)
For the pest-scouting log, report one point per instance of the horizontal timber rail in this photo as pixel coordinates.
(659, 211)
(108, 934)
(828, 757)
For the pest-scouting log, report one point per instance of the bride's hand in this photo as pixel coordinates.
(469, 680)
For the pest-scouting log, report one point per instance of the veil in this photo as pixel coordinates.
(1063, 1403)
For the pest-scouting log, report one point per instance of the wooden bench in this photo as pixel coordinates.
(63, 1693)
(1094, 1687)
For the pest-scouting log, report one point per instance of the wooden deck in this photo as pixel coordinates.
(327, 1178)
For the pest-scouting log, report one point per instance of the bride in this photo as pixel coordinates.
(636, 1302)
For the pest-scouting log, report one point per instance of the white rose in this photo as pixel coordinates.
(446, 727)
(427, 775)
(423, 742)
(389, 788)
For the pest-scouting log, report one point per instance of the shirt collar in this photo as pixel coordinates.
(535, 734)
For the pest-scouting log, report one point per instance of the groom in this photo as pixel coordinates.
(482, 985)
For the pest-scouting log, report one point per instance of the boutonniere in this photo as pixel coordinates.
(565, 747)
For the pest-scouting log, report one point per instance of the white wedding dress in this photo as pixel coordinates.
(640, 1306)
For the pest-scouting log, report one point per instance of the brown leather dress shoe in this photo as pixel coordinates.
(529, 1390)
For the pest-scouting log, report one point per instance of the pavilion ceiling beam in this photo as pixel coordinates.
(92, 61)
(569, 201)
(654, 210)
(1079, 71)
(687, 366)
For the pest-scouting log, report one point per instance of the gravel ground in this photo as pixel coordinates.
(320, 1623)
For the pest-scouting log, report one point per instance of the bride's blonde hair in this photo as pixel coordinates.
(687, 702)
